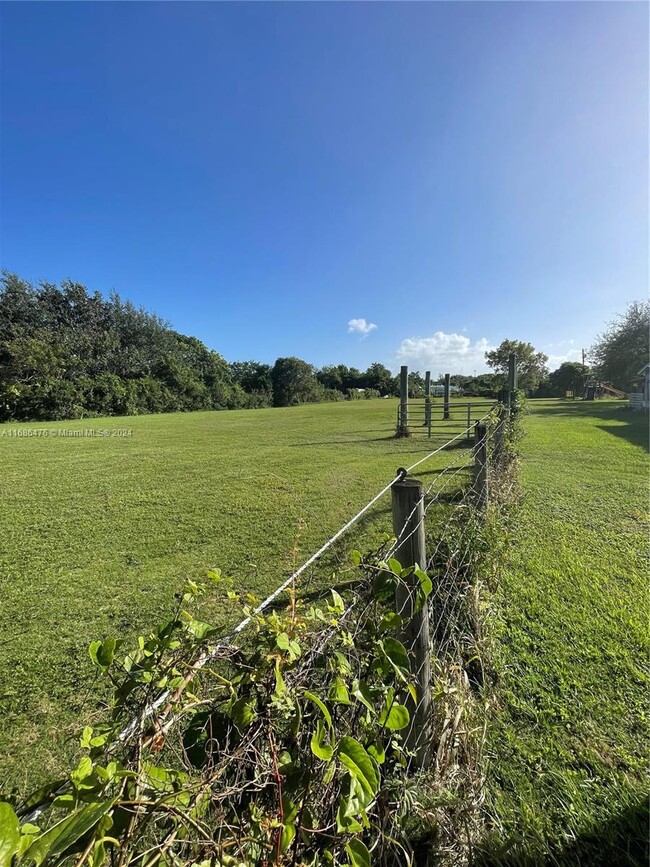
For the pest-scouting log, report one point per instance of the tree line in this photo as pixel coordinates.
(68, 353)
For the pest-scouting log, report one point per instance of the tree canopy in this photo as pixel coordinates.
(569, 376)
(69, 353)
(624, 347)
(531, 365)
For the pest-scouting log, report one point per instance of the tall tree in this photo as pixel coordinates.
(624, 347)
(380, 378)
(294, 382)
(531, 365)
(570, 376)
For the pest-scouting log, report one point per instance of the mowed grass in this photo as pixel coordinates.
(100, 532)
(568, 740)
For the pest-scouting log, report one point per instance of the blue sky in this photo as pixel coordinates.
(261, 174)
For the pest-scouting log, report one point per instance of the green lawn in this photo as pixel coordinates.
(568, 739)
(99, 533)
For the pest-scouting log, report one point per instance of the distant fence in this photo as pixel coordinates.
(431, 419)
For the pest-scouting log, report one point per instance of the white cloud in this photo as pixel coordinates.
(360, 326)
(554, 361)
(444, 353)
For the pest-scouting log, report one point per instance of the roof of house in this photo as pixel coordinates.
(644, 369)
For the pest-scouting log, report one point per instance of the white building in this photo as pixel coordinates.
(640, 398)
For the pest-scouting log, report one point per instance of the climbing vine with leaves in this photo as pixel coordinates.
(287, 748)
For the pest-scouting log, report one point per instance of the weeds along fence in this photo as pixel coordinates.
(335, 730)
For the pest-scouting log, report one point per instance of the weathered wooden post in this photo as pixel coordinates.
(427, 400)
(500, 437)
(512, 378)
(481, 481)
(445, 412)
(403, 401)
(408, 527)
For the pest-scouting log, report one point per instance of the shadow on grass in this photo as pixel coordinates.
(635, 424)
(621, 842)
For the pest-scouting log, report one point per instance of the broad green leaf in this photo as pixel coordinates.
(395, 719)
(199, 629)
(361, 692)
(396, 654)
(338, 604)
(65, 833)
(9, 834)
(425, 582)
(338, 692)
(377, 752)
(362, 768)
(342, 662)
(355, 556)
(345, 821)
(359, 854)
(102, 653)
(390, 621)
(243, 712)
(320, 705)
(318, 746)
(282, 641)
(288, 833)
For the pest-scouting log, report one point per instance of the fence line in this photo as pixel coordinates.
(433, 491)
(133, 726)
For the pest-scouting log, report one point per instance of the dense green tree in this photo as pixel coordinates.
(67, 353)
(379, 378)
(624, 347)
(253, 376)
(331, 376)
(569, 376)
(531, 365)
(294, 382)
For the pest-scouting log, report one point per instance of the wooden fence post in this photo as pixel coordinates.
(499, 437)
(481, 482)
(408, 525)
(404, 401)
(427, 400)
(512, 377)
(445, 413)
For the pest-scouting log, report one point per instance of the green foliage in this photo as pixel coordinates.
(569, 376)
(531, 365)
(242, 764)
(624, 347)
(294, 382)
(67, 354)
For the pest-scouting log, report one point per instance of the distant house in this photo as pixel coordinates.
(439, 390)
(640, 397)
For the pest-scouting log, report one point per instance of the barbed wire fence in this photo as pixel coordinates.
(432, 567)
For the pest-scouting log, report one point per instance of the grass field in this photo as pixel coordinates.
(100, 532)
(568, 741)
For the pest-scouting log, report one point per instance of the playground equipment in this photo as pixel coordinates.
(599, 389)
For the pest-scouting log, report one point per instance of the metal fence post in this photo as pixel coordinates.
(481, 482)
(408, 526)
